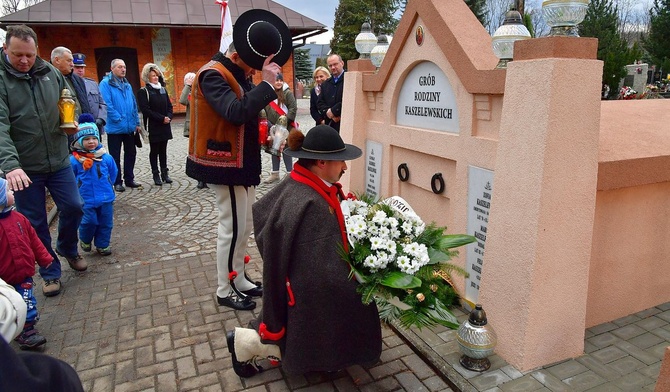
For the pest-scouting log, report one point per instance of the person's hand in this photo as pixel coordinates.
(166, 120)
(138, 128)
(17, 179)
(270, 70)
(336, 119)
(189, 78)
(330, 114)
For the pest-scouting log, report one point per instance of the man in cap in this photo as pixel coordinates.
(61, 58)
(34, 152)
(313, 318)
(224, 150)
(93, 96)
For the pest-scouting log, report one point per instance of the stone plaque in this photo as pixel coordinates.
(373, 166)
(480, 187)
(427, 100)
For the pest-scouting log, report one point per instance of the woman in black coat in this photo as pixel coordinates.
(156, 108)
(320, 75)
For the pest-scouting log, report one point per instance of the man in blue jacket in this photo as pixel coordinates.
(33, 149)
(122, 122)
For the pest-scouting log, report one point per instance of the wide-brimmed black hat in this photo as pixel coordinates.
(258, 34)
(324, 143)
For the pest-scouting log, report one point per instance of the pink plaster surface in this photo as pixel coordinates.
(663, 381)
(634, 143)
(580, 234)
(630, 268)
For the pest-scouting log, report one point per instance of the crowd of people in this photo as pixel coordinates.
(83, 176)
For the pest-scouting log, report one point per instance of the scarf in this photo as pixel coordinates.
(86, 158)
(157, 86)
(332, 194)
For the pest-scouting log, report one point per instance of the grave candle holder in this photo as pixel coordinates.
(564, 16)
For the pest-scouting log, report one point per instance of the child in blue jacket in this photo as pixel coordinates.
(96, 172)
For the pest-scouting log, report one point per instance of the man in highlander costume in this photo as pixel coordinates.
(224, 150)
(313, 318)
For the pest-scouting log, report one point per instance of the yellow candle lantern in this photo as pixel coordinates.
(66, 108)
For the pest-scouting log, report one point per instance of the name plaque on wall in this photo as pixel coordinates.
(373, 166)
(161, 46)
(427, 100)
(480, 189)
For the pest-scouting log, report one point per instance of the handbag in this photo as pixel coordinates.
(138, 140)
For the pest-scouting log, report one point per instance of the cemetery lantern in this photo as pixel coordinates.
(563, 16)
(66, 110)
(379, 51)
(504, 37)
(477, 340)
(365, 41)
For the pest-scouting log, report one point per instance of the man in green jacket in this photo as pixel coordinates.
(34, 154)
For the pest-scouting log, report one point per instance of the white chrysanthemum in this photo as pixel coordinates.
(390, 247)
(407, 227)
(371, 262)
(377, 243)
(383, 260)
(419, 229)
(384, 232)
(379, 217)
(372, 230)
(395, 233)
(392, 222)
(410, 248)
(404, 263)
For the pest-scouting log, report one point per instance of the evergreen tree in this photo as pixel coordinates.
(321, 62)
(602, 22)
(303, 67)
(657, 42)
(478, 7)
(351, 14)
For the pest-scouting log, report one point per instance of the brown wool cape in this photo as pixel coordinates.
(328, 327)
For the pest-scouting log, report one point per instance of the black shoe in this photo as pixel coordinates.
(236, 303)
(166, 178)
(133, 184)
(119, 188)
(201, 185)
(255, 292)
(157, 179)
(31, 339)
(245, 370)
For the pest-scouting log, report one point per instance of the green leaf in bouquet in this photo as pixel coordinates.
(437, 256)
(441, 314)
(368, 292)
(454, 241)
(400, 280)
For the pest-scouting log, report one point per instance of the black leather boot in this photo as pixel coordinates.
(165, 177)
(157, 179)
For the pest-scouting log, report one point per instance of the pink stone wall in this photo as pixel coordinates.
(587, 239)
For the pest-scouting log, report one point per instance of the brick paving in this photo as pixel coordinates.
(146, 318)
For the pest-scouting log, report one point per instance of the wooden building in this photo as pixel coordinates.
(178, 35)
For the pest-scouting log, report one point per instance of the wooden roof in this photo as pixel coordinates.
(153, 13)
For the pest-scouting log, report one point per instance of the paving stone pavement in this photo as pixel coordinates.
(146, 319)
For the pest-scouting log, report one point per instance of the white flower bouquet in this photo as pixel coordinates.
(402, 263)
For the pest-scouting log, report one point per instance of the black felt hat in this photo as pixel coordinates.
(258, 34)
(324, 143)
